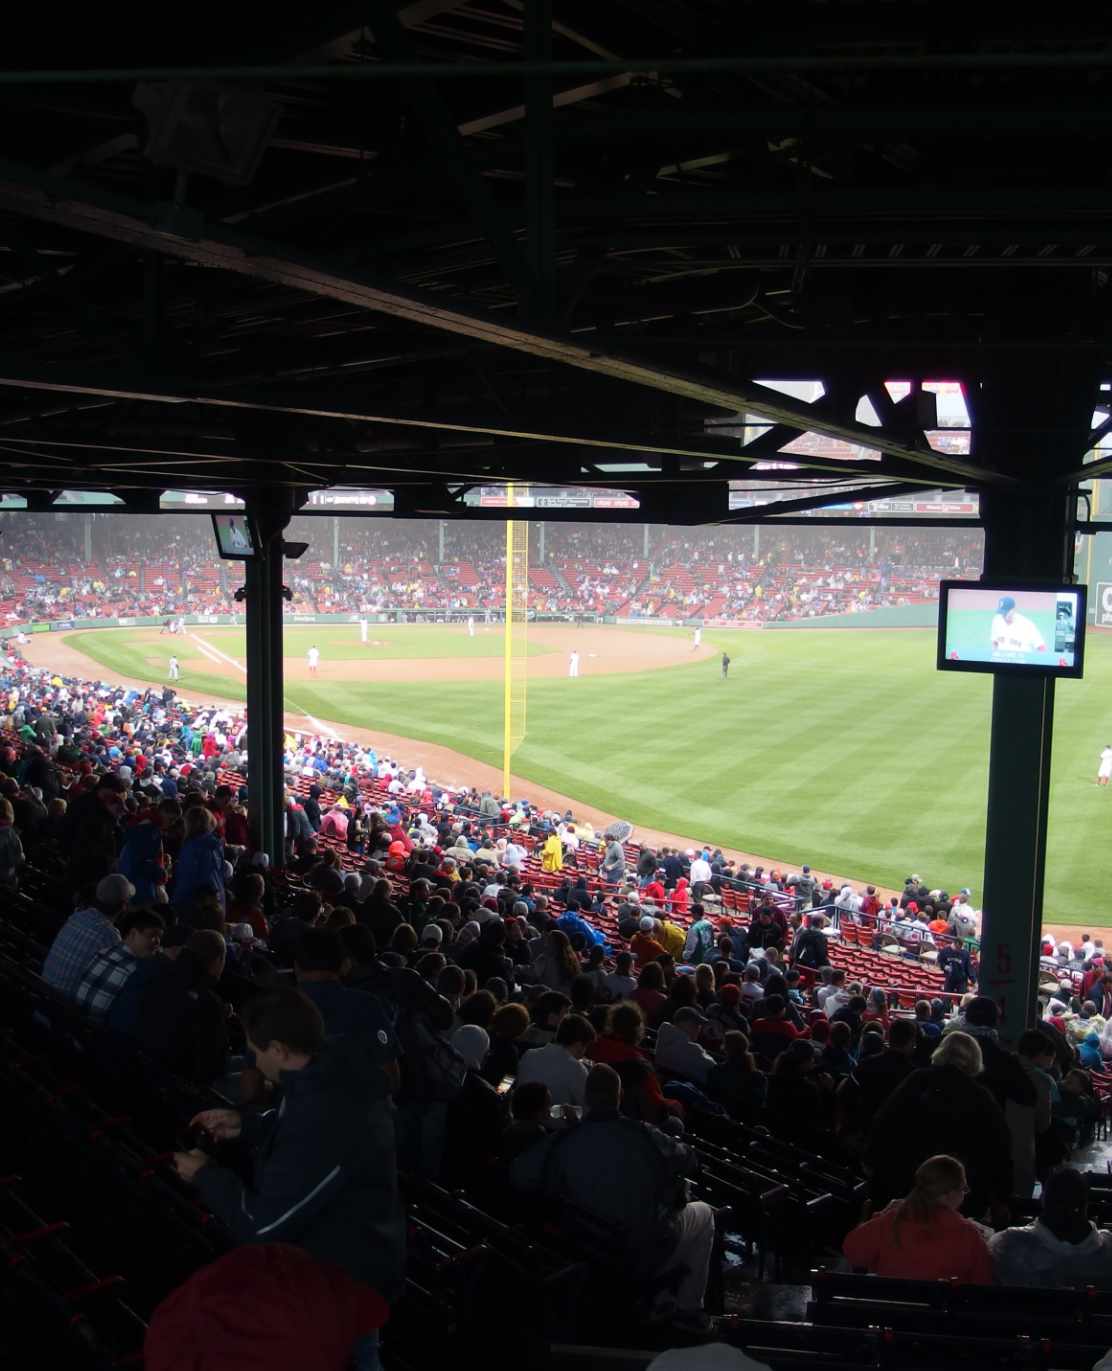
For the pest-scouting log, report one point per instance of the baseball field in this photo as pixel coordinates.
(845, 749)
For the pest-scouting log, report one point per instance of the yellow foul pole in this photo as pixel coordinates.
(508, 654)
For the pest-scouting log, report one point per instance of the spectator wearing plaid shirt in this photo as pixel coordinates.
(141, 936)
(85, 933)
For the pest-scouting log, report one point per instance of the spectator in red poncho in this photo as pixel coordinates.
(270, 1307)
(654, 889)
(681, 897)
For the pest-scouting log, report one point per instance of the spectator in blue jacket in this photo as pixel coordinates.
(140, 858)
(354, 1016)
(200, 865)
(325, 1173)
(570, 923)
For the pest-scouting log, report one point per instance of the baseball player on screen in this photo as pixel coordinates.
(1012, 631)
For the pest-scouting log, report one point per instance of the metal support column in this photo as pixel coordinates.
(441, 525)
(87, 530)
(265, 690)
(756, 541)
(1042, 422)
(335, 542)
(645, 542)
(540, 543)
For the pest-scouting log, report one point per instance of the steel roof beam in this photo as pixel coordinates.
(1089, 58)
(173, 391)
(122, 220)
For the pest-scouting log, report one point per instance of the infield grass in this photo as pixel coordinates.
(842, 748)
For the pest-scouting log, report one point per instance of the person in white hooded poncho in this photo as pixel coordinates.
(1063, 1248)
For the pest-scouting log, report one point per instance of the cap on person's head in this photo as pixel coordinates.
(114, 889)
(730, 995)
(965, 892)
(646, 925)
(472, 1043)
(1006, 602)
(432, 933)
(806, 869)
(981, 1012)
(688, 1014)
(828, 885)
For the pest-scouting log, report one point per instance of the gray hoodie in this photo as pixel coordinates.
(1032, 1255)
(678, 1055)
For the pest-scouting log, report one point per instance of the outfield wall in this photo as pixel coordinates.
(924, 615)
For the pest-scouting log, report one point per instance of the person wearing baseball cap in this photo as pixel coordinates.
(677, 1046)
(86, 932)
(1013, 632)
(644, 944)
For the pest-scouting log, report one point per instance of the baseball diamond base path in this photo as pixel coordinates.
(602, 652)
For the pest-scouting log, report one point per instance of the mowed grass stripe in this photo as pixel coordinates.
(843, 748)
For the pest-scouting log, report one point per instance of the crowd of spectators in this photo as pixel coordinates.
(501, 999)
(169, 567)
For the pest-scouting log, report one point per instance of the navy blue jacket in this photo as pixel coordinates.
(325, 1176)
(359, 1019)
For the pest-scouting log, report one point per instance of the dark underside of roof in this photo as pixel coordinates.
(466, 243)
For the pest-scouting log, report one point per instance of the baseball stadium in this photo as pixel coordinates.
(408, 621)
(556, 687)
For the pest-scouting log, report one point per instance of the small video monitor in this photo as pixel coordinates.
(1017, 628)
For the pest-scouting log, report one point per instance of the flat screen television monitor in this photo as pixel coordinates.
(235, 537)
(1017, 628)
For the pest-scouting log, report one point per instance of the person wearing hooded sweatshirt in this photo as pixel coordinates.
(699, 946)
(1063, 1247)
(677, 1047)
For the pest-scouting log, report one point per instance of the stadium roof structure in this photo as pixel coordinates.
(456, 244)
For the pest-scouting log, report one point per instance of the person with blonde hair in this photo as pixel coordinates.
(922, 1237)
(944, 1109)
(200, 865)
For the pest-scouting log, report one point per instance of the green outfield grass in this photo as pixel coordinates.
(841, 748)
(145, 654)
